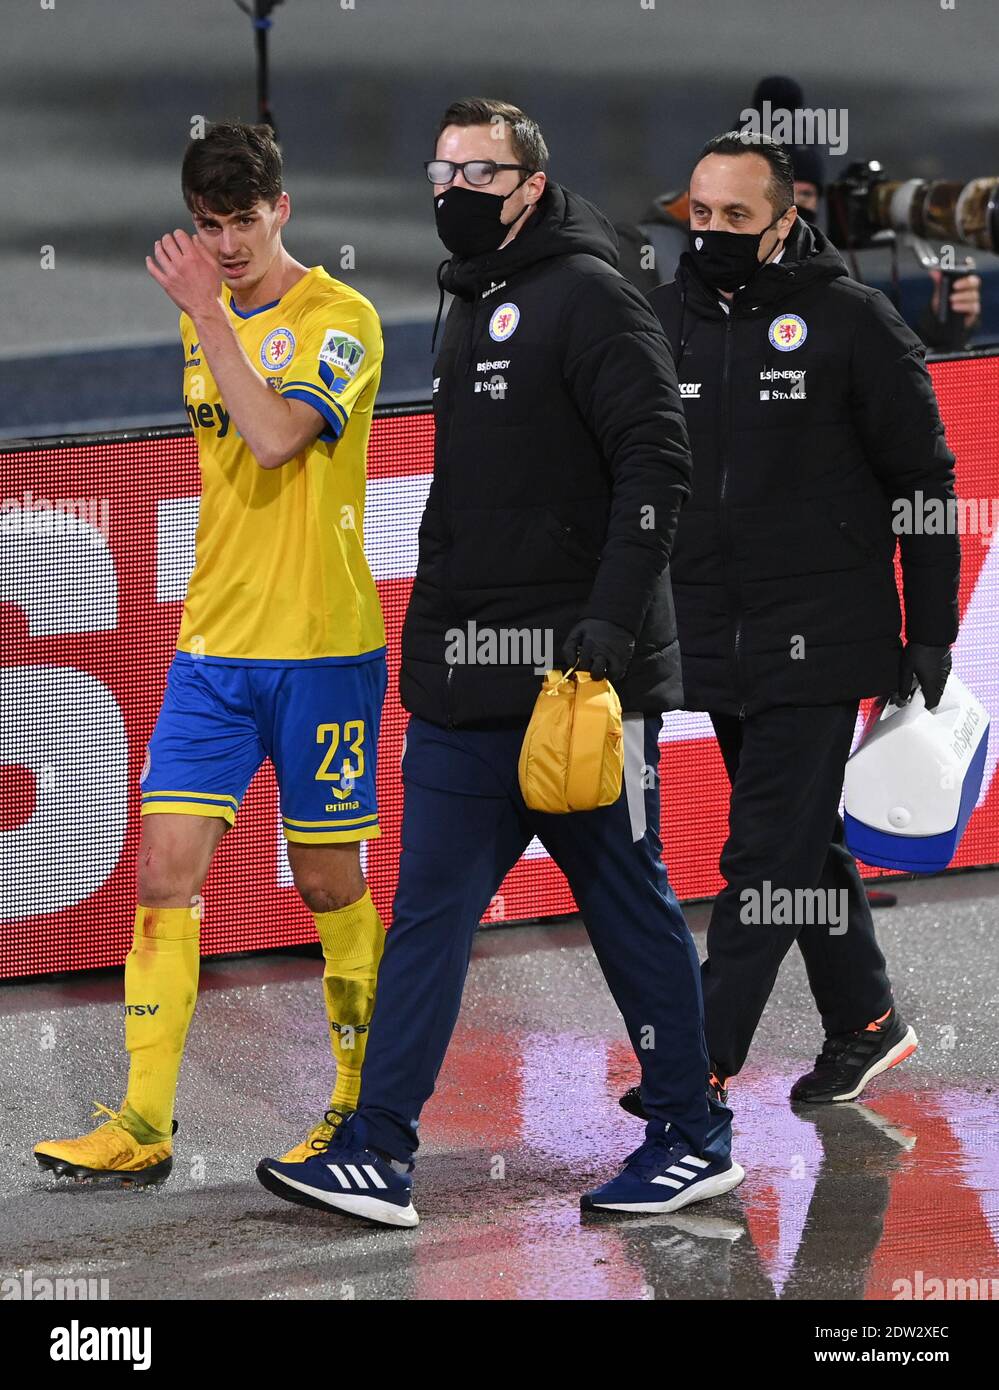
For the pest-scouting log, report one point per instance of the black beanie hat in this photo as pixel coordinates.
(780, 92)
(808, 165)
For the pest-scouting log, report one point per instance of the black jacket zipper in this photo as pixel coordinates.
(443, 452)
(725, 527)
(469, 360)
(447, 697)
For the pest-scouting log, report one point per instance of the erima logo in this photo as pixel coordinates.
(690, 390)
(208, 417)
(193, 360)
(492, 289)
(139, 1010)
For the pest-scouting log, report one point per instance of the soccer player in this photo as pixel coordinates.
(281, 651)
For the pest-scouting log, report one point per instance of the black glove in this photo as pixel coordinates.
(603, 649)
(930, 666)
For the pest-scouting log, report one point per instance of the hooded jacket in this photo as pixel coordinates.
(561, 462)
(650, 250)
(811, 416)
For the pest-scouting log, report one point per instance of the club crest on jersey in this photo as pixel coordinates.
(788, 332)
(503, 322)
(277, 349)
(342, 352)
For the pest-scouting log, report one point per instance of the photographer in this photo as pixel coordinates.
(965, 316)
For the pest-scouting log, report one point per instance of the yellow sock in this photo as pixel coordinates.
(161, 986)
(353, 939)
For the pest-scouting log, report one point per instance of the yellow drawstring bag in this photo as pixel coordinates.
(572, 758)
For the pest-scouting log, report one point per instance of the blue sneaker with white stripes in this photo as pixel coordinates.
(662, 1176)
(345, 1177)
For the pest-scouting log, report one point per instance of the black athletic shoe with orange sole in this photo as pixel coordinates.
(632, 1098)
(848, 1061)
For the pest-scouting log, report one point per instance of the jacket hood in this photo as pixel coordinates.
(563, 224)
(809, 257)
(669, 210)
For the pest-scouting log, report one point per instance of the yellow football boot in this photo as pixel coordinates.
(109, 1151)
(319, 1136)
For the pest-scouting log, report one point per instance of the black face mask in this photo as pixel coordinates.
(468, 222)
(726, 260)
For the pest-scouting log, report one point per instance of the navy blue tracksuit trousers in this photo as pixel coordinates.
(464, 826)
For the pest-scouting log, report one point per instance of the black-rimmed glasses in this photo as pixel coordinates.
(478, 172)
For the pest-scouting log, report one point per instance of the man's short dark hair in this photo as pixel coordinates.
(231, 169)
(780, 186)
(525, 135)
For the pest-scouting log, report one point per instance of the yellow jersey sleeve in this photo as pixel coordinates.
(278, 578)
(338, 362)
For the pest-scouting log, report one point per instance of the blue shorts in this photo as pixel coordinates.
(318, 724)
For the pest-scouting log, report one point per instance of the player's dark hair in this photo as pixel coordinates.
(231, 169)
(780, 187)
(525, 135)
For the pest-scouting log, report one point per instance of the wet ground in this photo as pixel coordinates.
(872, 1200)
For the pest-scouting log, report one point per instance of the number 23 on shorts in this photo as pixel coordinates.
(352, 737)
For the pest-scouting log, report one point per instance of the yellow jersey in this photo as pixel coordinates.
(280, 574)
